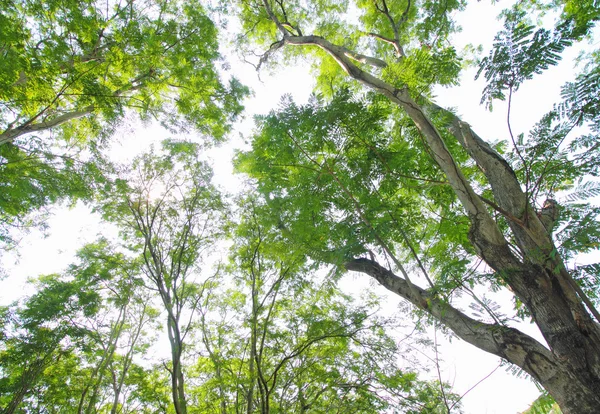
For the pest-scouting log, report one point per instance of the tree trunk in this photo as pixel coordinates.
(177, 380)
(127, 359)
(107, 358)
(573, 394)
(28, 380)
(214, 358)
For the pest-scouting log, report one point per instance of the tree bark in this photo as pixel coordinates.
(177, 379)
(567, 388)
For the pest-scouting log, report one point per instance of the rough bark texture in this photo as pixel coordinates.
(505, 342)
(570, 368)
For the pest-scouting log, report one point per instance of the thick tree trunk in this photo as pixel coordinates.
(570, 369)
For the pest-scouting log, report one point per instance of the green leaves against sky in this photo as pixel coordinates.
(245, 293)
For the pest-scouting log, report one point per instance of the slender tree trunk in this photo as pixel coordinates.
(250, 393)
(127, 359)
(107, 359)
(177, 379)
(26, 383)
(28, 379)
(216, 363)
(253, 339)
(16, 400)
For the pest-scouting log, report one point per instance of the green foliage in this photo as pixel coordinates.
(340, 180)
(61, 57)
(169, 214)
(581, 231)
(60, 344)
(345, 176)
(580, 15)
(588, 277)
(581, 98)
(544, 404)
(423, 68)
(519, 52)
(166, 205)
(421, 27)
(35, 176)
(285, 339)
(70, 71)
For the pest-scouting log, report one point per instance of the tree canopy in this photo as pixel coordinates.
(70, 73)
(245, 293)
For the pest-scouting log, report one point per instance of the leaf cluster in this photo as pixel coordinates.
(340, 180)
(82, 55)
(520, 51)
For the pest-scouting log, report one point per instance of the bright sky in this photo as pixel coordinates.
(462, 364)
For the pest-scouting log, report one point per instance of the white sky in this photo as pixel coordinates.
(462, 364)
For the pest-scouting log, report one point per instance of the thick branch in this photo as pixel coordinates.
(369, 60)
(505, 342)
(395, 44)
(280, 26)
(12, 134)
(530, 230)
(484, 228)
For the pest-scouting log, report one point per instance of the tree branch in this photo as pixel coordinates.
(12, 134)
(489, 240)
(505, 342)
(395, 25)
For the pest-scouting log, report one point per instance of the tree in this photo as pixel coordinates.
(285, 339)
(37, 175)
(390, 175)
(119, 333)
(34, 334)
(66, 61)
(72, 71)
(170, 214)
(71, 344)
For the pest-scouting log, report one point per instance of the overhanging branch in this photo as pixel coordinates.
(12, 134)
(505, 342)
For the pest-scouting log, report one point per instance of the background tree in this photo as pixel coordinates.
(64, 61)
(302, 345)
(35, 176)
(170, 214)
(405, 180)
(63, 344)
